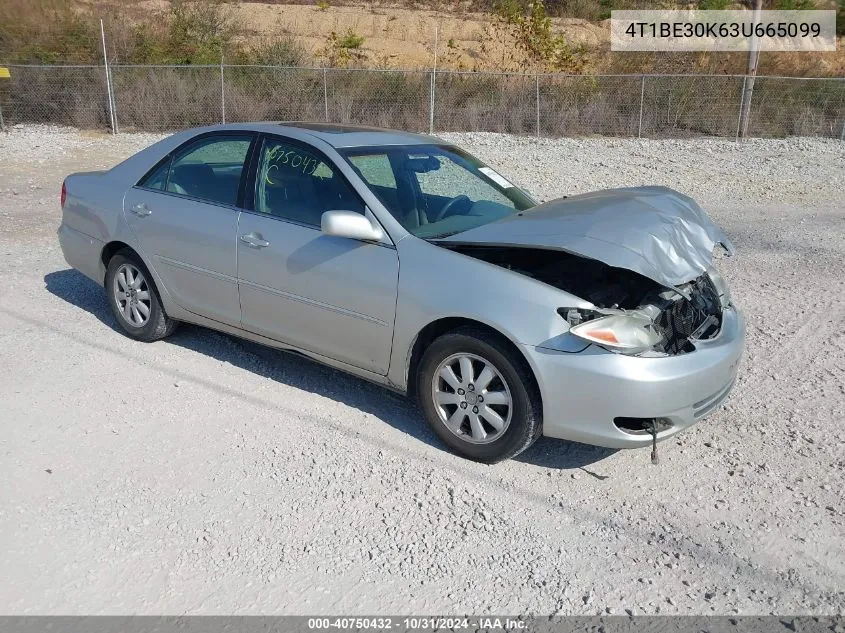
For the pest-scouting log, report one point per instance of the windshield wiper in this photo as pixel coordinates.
(441, 236)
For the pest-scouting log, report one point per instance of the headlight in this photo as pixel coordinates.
(627, 333)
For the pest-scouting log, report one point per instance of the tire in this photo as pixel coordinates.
(512, 381)
(145, 319)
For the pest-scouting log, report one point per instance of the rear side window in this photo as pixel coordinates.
(300, 185)
(210, 169)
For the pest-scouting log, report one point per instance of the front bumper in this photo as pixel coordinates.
(584, 392)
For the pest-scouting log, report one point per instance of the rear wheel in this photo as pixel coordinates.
(479, 396)
(134, 299)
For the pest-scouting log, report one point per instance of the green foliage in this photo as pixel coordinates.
(584, 9)
(714, 5)
(46, 31)
(51, 31)
(606, 8)
(198, 32)
(840, 18)
(451, 43)
(794, 5)
(322, 5)
(284, 51)
(351, 40)
(146, 46)
(340, 50)
(531, 28)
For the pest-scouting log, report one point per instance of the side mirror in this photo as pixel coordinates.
(350, 224)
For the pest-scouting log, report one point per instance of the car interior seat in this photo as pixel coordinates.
(292, 195)
(195, 179)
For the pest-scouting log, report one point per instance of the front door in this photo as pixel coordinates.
(185, 216)
(329, 295)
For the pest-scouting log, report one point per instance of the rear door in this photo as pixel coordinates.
(329, 295)
(185, 216)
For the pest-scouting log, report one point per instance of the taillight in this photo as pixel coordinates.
(64, 194)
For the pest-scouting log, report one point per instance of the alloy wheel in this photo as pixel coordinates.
(472, 398)
(132, 295)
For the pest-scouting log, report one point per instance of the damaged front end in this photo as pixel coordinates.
(666, 321)
(642, 256)
(631, 313)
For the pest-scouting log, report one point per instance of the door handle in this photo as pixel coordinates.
(255, 239)
(140, 210)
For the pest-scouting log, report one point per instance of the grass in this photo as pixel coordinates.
(350, 40)
(189, 32)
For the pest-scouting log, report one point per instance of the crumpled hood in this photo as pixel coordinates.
(654, 231)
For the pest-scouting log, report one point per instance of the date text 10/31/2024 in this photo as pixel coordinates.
(417, 623)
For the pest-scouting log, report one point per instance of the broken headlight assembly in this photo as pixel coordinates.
(624, 332)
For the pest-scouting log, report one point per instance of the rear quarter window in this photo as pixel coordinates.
(156, 178)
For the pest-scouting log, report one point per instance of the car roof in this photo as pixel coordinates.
(345, 136)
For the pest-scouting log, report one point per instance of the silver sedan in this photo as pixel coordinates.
(597, 318)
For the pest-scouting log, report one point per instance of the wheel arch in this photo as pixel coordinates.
(110, 250)
(114, 247)
(438, 328)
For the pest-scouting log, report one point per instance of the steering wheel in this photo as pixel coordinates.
(449, 206)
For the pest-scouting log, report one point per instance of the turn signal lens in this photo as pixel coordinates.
(604, 335)
(64, 195)
(630, 333)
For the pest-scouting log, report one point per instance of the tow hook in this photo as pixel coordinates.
(653, 431)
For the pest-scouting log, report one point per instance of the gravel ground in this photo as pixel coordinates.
(204, 474)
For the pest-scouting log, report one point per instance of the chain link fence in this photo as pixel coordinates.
(165, 98)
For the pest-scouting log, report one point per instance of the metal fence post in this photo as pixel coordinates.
(109, 94)
(741, 109)
(8, 76)
(537, 91)
(751, 73)
(222, 93)
(433, 80)
(326, 93)
(431, 104)
(642, 99)
(113, 103)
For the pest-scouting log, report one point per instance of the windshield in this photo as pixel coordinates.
(435, 190)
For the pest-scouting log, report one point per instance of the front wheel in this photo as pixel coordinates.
(479, 396)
